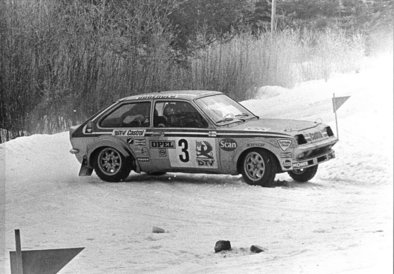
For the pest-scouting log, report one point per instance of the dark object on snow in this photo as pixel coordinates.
(222, 245)
(256, 249)
(156, 229)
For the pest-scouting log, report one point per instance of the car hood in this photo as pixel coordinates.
(277, 125)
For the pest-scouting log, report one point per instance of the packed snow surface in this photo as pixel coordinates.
(339, 222)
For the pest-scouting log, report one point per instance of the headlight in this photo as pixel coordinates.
(329, 131)
(300, 139)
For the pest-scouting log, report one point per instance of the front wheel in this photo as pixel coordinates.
(258, 168)
(304, 174)
(111, 165)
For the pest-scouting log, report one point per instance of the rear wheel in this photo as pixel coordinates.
(258, 168)
(304, 174)
(111, 165)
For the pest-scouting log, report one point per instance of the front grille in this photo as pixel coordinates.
(316, 135)
(315, 152)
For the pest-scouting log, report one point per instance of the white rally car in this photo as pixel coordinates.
(198, 132)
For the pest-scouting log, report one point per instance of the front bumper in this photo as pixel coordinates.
(305, 163)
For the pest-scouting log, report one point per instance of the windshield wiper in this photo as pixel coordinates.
(245, 115)
(227, 119)
(242, 114)
(237, 116)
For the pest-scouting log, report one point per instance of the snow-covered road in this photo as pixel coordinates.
(340, 222)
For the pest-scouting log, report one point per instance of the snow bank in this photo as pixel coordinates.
(365, 151)
(340, 222)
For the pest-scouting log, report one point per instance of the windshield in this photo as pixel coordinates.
(222, 109)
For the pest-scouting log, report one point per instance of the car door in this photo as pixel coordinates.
(181, 139)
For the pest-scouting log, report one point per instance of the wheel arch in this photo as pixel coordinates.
(243, 153)
(111, 142)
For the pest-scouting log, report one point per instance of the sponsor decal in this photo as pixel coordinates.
(142, 151)
(228, 144)
(284, 144)
(314, 136)
(287, 163)
(162, 144)
(301, 164)
(157, 97)
(162, 152)
(212, 134)
(286, 155)
(204, 154)
(136, 142)
(193, 153)
(257, 129)
(143, 159)
(256, 145)
(128, 132)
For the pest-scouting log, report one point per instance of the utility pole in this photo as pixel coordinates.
(273, 13)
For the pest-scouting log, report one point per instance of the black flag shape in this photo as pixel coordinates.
(48, 261)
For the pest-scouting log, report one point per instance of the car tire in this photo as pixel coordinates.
(258, 167)
(303, 175)
(111, 166)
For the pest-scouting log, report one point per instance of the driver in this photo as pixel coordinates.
(171, 113)
(182, 114)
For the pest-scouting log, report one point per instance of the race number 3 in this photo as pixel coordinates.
(184, 157)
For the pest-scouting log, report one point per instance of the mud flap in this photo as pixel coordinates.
(85, 170)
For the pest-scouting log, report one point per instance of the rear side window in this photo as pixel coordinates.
(128, 115)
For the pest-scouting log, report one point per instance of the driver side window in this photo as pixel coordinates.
(177, 114)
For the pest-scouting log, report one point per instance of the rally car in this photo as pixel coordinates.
(197, 131)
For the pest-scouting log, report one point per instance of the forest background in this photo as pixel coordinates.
(63, 60)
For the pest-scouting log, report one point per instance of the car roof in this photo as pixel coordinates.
(173, 94)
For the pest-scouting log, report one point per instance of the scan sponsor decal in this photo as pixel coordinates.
(162, 144)
(284, 144)
(204, 153)
(129, 132)
(136, 142)
(228, 144)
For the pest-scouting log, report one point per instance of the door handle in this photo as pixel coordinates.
(157, 133)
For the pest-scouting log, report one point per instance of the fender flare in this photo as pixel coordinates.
(244, 150)
(111, 141)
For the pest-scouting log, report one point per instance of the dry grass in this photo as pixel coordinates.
(245, 63)
(57, 58)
